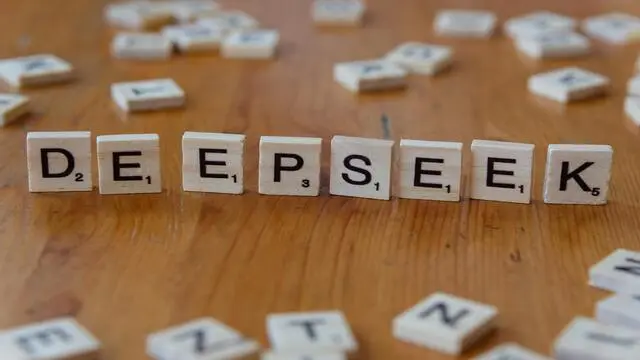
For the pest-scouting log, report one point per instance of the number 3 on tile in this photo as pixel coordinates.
(305, 183)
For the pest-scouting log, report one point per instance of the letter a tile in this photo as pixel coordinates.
(618, 272)
(578, 174)
(445, 323)
(501, 171)
(59, 161)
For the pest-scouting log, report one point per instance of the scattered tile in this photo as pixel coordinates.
(141, 46)
(554, 45)
(193, 38)
(586, 339)
(620, 310)
(465, 23)
(12, 107)
(251, 44)
(568, 84)
(338, 12)
(539, 23)
(35, 70)
(619, 272)
(369, 75)
(421, 58)
(614, 28)
(148, 95)
(511, 351)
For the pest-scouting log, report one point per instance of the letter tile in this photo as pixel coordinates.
(35, 70)
(200, 339)
(538, 23)
(445, 323)
(337, 12)
(369, 75)
(148, 95)
(229, 21)
(614, 28)
(320, 331)
(12, 107)
(501, 171)
(193, 38)
(465, 23)
(618, 272)
(554, 45)
(620, 310)
(138, 15)
(568, 84)
(141, 46)
(213, 162)
(129, 164)
(511, 351)
(57, 339)
(59, 161)
(421, 58)
(250, 44)
(361, 167)
(430, 170)
(586, 339)
(578, 174)
(290, 165)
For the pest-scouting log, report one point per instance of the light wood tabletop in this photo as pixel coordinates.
(129, 265)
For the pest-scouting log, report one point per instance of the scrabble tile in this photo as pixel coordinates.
(10, 351)
(290, 165)
(632, 108)
(271, 355)
(250, 44)
(138, 15)
(421, 58)
(511, 351)
(35, 70)
(577, 174)
(57, 339)
(319, 331)
(193, 38)
(554, 45)
(501, 171)
(369, 75)
(465, 23)
(614, 28)
(148, 95)
(141, 46)
(633, 86)
(619, 272)
(201, 339)
(445, 323)
(59, 161)
(568, 84)
(337, 12)
(229, 21)
(539, 23)
(620, 310)
(430, 170)
(361, 167)
(586, 339)
(129, 164)
(213, 162)
(187, 11)
(12, 107)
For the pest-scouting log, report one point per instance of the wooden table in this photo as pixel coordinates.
(130, 265)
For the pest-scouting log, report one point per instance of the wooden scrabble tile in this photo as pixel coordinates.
(465, 23)
(337, 12)
(138, 15)
(511, 351)
(615, 28)
(271, 355)
(148, 95)
(619, 310)
(193, 38)
(250, 44)
(369, 75)
(538, 23)
(632, 108)
(568, 84)
(213, 162)
(361, 167)
(553, 45)
(586, 339)
(229, 21)
(12, 107)
(129, 164)
(290, 165)
(577, 174)
(201, 339)
(141, 46)
(58, 339)
(619, 272)
(35, 70)
(501, 171)
(319, 331)
(430, 170)
(445, 323)
(59, 161)
(421, 58)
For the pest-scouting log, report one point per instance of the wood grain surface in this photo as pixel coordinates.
(130, 265)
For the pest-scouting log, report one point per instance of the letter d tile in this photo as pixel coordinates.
(59, 161)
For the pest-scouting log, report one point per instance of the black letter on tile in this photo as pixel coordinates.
(565, 176)
(309, 327)
(278, 167)
(633, 270)
(349, 166)
(202, 160)
(46, 337)
(491, 171)
(117, 166)
(444, 314)
(44, 156)
(418, 172)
